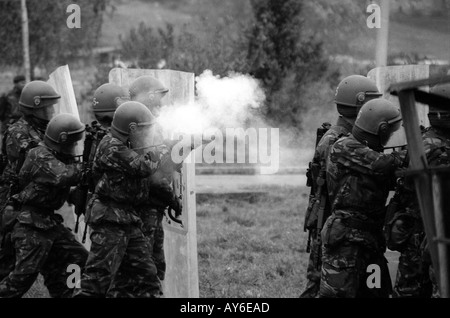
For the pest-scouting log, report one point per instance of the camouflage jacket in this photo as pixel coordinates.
(20, 138)
(359, 179)
(158, 188)
(45, 183)
(119, 187)
(328, 139)
(437, 150)
(9, 108)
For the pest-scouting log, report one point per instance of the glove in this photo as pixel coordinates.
(177, 206)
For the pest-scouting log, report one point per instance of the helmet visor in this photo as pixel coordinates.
(45, 113)
(146, 136)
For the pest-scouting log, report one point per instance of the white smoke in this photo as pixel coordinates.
(220, 102)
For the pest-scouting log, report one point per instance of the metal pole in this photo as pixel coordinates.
(383, 35)
(25, 41)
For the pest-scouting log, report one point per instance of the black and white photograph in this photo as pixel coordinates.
(237, 150)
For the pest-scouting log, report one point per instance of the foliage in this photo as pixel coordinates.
(51, 41)
(198, 46)
(283, 58)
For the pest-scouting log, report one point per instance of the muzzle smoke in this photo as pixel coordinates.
(220, 102)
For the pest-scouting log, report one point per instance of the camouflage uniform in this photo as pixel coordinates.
(159, 190)
(323, 148)
(358, 180)
(120, 252)
(9, 108)
(42, 244)
(408, 235)
(160, 197)
(18, 140)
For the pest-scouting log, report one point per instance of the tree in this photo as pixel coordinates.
(283, 58)
(196, 47)
(51, 41)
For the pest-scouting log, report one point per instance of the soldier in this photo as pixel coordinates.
(106, 99)
(405, 231)
(9, 104)
(351, 93)
(149, 91)
(359, 178)
(42, 244)
(37, 106)
(120, 252)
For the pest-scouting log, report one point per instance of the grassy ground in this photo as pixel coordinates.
(252, 245)
(249, 245)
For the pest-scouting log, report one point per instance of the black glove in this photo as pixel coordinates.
(176, 205)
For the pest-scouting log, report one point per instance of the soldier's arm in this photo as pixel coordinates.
(368, 161)
(50, 171)
(18, 141)
(120, 157)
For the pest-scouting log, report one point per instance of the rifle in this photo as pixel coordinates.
(320, 204)
(84, 185)
(95, 133)
(312, 172)
(177, 186)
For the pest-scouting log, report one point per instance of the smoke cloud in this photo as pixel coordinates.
(220, 102)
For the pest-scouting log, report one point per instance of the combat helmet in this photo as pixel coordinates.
(106, 99)
(128, 118)
(439, 116)
(146, 84)
(36, 102)
(63, 132)
(352, 92)
(377, 120)
(148, 91)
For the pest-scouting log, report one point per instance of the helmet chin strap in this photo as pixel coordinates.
(370, 140)
(39, 123)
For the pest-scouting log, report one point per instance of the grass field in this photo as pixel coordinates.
(249, 245)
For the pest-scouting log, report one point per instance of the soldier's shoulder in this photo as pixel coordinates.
(433, 137)
(19, 128)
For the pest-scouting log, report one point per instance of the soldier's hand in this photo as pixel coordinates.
(177, 206)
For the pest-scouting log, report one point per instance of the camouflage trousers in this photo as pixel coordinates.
(313, 270)
(7, 255)
(413, 278)
(48, 252)
(426, 257)
(119, 264)
(154, 231)
(345, 272)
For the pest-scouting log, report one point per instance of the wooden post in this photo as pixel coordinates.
(62, 82)
(440, 234)
(180, 244)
